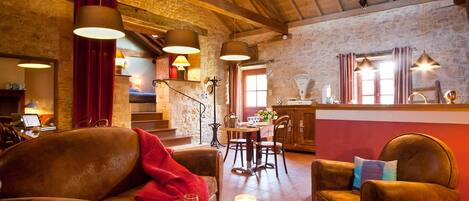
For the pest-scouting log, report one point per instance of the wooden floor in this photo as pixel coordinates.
(296, 186)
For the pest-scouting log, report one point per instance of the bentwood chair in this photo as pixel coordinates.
(236, 142)
(276, 146)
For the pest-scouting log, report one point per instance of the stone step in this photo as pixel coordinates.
(176, 140)
(142, 116)
(150, 124)
(163, 132)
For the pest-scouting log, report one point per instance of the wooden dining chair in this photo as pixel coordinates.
(276, 146)
(236, 141)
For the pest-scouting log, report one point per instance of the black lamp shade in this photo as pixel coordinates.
(235, 51)
(99, 22)
(181, 41)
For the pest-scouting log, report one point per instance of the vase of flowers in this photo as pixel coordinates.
(267, 115)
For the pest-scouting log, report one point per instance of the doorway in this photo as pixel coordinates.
(254, 86)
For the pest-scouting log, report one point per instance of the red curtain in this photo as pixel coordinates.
(233, 87)
(93, 75)
(402, 57)
(346, 64)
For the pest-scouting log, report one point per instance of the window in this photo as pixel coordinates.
(256, 90)
(376, 87)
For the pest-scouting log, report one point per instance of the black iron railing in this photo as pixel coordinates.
(202, 106)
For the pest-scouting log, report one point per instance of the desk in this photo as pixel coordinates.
(249, 170)
(28, 134)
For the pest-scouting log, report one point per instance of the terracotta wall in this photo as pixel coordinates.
(439, 27)
(343, 139)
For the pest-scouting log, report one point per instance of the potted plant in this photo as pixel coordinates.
(267, 115)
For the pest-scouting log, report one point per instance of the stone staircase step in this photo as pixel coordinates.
(176, 140)
(142, 116)
(163, 132)
(150, 124)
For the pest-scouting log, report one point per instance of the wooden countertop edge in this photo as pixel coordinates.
(399, 107)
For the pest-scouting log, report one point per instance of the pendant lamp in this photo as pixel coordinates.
(181, 62)
(99, 22)
(365, 65)
(425, 62)
(234, 51)
(34, 64)
(181, 41)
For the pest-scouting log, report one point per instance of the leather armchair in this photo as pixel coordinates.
(91, 164)
(426, 171)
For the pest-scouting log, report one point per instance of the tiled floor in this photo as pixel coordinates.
(296, 186)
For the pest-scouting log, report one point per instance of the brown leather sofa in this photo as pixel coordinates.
(91, 164)
(426, 171)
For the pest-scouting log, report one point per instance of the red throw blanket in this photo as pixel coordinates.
(171, 181)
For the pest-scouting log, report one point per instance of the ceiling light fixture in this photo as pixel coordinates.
(182, 41)
(425, 62)
(234, 50)
(34, 64)
(365, 65)
(99, 22)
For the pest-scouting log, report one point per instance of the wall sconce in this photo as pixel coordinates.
(425, 62)
(136, 82)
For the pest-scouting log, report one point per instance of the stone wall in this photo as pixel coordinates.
(36, 28)
(439, 27)
(121, 116)
(179, 110)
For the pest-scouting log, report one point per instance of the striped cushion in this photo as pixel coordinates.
(373, 170)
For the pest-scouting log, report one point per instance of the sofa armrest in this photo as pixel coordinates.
(331, 175)
(203, 162)
(410, 191)
(41, 199)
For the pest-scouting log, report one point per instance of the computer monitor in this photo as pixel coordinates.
(30, 120)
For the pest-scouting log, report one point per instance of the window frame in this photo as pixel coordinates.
(377, 84)
(256, 73)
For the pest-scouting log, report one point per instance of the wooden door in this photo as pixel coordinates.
(254, 92)
(305, 118)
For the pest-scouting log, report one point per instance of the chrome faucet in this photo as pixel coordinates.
(410, 99)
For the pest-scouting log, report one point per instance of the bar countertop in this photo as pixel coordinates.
(406, 107)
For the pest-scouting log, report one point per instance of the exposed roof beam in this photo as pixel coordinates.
(344, 14)
(295, 7)
(240, 13)
(273, 9)
(316, 6)
(341, 8)
(147, 43)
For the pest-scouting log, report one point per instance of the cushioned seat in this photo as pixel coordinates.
(130, 194)
(238, 141)
(338, 195)
(269, 144)
(92, 164)
(426, 170)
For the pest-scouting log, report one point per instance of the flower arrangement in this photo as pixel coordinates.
(267, 115)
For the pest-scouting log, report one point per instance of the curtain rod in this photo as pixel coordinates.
(377, 53)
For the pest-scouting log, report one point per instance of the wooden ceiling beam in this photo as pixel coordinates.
(147, 43)
(344, 14)
(358, 11)
(240, 13)
(297, 11)
(316, 6)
